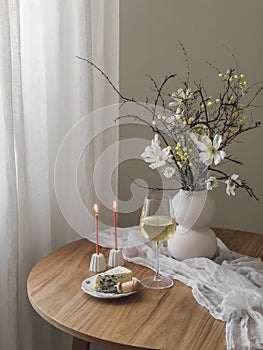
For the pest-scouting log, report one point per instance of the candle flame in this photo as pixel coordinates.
(114, 205)
(95, 208)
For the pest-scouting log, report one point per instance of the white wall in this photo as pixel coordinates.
(149, 31)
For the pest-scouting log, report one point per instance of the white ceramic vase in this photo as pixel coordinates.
(193, 237)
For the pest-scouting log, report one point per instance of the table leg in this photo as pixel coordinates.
(78, 344)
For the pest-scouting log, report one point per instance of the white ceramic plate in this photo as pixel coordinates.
(87, 287)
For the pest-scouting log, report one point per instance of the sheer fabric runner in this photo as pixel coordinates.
(230, 286)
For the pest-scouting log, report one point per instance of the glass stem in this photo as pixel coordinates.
(157, 275)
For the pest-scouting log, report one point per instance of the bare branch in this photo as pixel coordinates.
(187, 62)
(155, 188)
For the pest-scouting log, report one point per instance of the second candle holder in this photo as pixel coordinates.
(116, 258)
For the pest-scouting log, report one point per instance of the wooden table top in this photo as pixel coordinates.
(168, 319)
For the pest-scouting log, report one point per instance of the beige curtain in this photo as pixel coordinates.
(44, 91)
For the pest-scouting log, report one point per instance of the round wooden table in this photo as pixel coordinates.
(168, 319)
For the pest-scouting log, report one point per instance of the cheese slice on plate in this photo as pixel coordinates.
(111, 277)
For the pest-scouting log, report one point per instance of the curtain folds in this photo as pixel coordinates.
(44, 91)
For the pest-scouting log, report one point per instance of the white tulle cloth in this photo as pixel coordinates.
(230, 286)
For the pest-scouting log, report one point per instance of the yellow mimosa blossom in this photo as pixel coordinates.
(179, 154)
(242, 83)
(242, 120)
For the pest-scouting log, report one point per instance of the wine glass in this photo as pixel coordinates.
(157, 224)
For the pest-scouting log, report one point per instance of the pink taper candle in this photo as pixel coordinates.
(115, 225)
(96, 227)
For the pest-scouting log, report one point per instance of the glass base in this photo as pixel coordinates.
(157, 282)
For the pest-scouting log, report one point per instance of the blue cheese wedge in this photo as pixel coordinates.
(111, 277)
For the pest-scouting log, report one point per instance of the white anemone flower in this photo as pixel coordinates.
(230, 185)
(168, 172)
(170, 120)
(156, 155)
(211, 183)
(180, 96)
(173, 119)
(209, 150)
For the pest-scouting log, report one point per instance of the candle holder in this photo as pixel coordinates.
(116, 258)
(97, 263)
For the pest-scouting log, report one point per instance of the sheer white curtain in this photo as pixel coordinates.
(44, 91)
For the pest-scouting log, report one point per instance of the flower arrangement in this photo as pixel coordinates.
(200, 129)
(193, 130)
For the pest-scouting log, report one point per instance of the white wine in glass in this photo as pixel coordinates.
(157, 228)
(157, 224)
